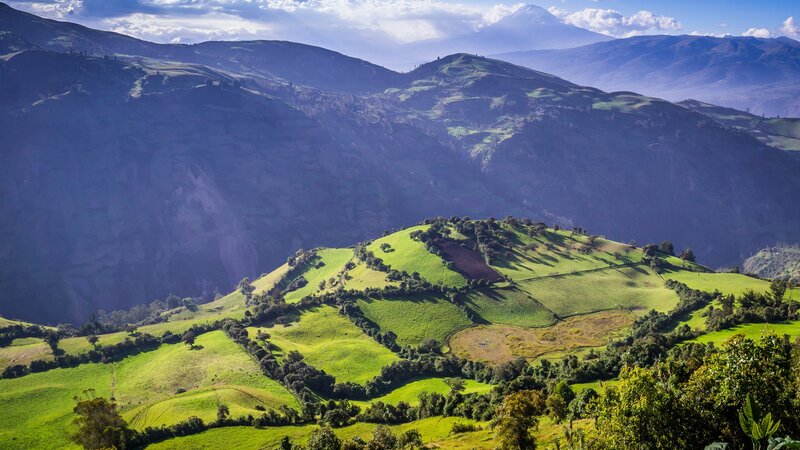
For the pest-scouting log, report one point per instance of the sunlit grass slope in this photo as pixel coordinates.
(510, 306)
(410, 392)
(752, 331)
(406, 254)
(362, 277)
(330, 342)
(331, 261)
(23, 351)
(415, 318)
(432, 429)
(560, 252)
(145, 386)
(635, 288)
(726, 283)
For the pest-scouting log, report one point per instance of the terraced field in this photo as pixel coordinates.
(329, 341)
(635, 288)
(415, 319)
(406, 254)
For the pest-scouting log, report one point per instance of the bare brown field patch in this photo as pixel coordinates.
(501, 343)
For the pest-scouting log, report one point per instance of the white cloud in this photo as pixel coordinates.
(757, 32)
(58, 8)
(614, 23)
(702, 33)
(213, 26)
(165, 20)
(789, 28)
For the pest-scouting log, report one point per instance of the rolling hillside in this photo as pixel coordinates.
(563, 296)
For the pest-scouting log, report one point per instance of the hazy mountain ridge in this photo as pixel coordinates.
(741, 72)
(783, 133)
(198, 176)
(779, 262)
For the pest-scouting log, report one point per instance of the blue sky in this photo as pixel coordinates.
(344, 22)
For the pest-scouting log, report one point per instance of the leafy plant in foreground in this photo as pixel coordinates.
(758, 428)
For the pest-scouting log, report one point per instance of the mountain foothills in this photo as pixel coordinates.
(761, 75)
(454, 333)
(131, 170)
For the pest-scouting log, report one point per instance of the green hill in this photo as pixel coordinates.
(386, 322)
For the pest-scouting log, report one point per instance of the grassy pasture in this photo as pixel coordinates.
(410, 392)
(501, 343)
(510, 306)
(362, 277)
(23, 351)
(433, 429)
(37, 408)
(435, 433)
(333, 260)
(727, 283)
(751, 331)
(409, 255)
(696, 320)
(268, 281)
(144, 386)
(635, 288)
(415, 318)
(330, 342)
(557, 253)
(79, 344)
(221, 370)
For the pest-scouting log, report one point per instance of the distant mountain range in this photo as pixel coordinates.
(746, 73)
(528, 28)
(129, 170)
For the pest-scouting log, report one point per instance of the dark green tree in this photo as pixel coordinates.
(100, 425)
(324, 438)
(188, 338)
(517, 418)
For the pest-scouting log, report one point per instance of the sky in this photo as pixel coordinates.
(381, 22)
